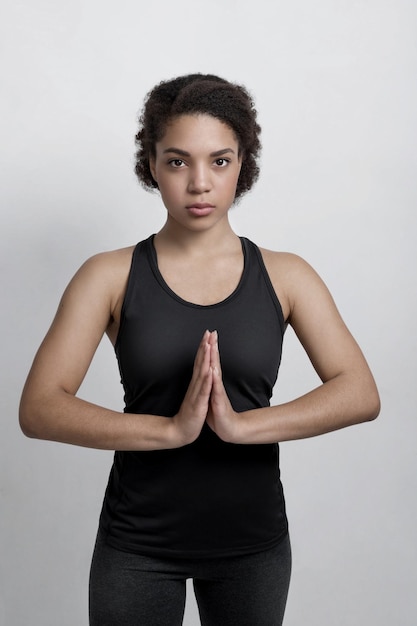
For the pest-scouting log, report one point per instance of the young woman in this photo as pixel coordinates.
(197, 316)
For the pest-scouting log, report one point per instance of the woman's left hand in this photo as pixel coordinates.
(221, 417)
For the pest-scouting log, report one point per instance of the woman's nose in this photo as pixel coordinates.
(199, 181)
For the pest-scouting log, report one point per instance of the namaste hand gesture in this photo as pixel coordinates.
(206, 398)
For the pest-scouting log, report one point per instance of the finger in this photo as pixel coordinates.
(201, 381)
(218, 392)
(203, 353)
(214, 353)
(198, 393)
(197, 398)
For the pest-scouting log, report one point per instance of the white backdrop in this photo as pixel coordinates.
(335, 86)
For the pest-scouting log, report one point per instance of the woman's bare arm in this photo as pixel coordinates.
(49, 408)
(348, 394)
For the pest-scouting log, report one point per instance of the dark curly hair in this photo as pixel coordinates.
(193, 94)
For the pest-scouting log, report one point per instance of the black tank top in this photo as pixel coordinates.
(209, 498)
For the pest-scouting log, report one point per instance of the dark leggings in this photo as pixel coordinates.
(134, 590)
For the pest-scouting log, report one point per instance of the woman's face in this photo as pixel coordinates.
(197, 167)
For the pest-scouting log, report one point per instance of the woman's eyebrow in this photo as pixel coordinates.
(221, 152)
(217, 153)
(177, 151)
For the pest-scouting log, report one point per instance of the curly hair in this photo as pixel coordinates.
(199, 94)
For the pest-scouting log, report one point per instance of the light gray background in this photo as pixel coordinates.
(335, 86)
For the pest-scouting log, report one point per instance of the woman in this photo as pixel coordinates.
(197, 316)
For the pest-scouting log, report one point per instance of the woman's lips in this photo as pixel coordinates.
(199, 209)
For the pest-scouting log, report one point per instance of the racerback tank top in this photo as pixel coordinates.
(208, 498)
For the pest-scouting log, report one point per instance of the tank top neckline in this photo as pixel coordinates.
(155, 269)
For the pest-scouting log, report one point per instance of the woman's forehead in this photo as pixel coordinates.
(197, 129)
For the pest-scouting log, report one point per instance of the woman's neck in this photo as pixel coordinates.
(197, 242)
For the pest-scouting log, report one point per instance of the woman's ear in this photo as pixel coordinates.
(240, 163)
(152, 167)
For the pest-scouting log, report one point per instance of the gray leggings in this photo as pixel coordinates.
(134, 590)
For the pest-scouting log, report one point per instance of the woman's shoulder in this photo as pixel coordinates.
(106, 267)
(103, 275)
(110, 259)
(279, 256)
(286, 266)
(290, 275)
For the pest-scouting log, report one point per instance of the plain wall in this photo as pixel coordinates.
(335, 87)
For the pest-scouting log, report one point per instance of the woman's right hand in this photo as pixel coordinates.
(189, 420)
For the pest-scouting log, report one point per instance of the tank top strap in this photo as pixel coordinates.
(256, 264)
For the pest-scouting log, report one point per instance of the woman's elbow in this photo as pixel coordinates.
(29, 419)
(27, 423)
(371, 404)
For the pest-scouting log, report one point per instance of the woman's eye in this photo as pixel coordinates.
(176, 163)
(222, 162)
